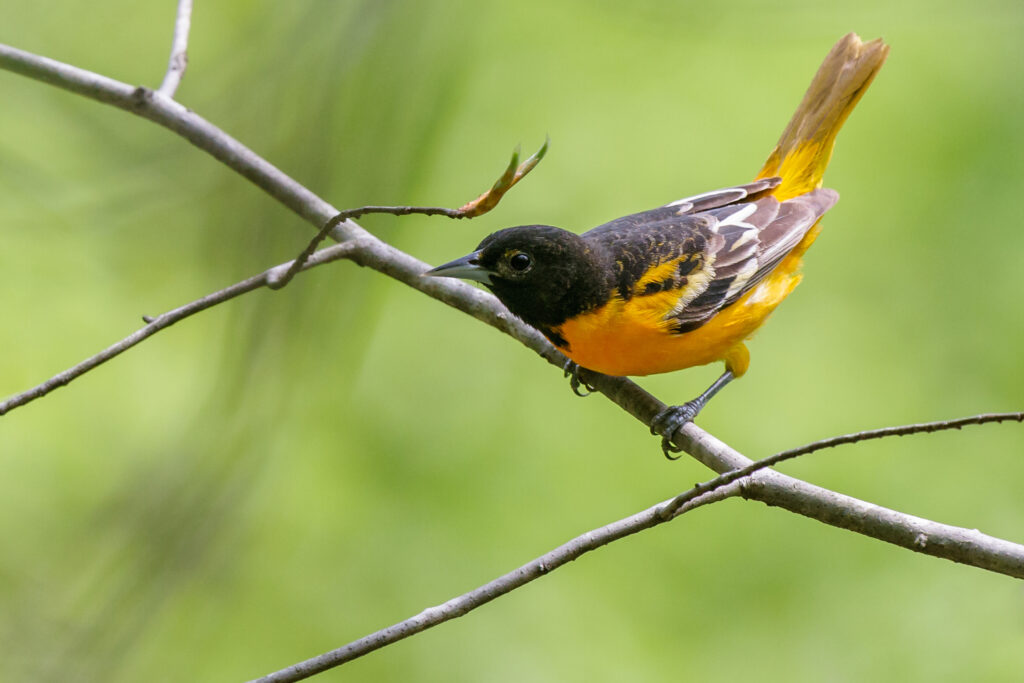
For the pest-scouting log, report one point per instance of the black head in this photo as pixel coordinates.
(544, 275)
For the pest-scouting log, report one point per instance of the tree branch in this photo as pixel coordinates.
(721, 487)
(279, 276)
(902, 430)
(960, 545)
(189, 125)
(154, 324)
(770, 487)
(463, 604)
(513, 173)
(831, 442)
(966, 546)
(178, 60)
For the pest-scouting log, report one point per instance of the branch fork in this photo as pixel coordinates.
(739, 476)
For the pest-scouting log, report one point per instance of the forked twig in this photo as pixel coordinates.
(156, 323)
(868, 435)
(907, 531)
(513, 173)
(724, 486)
(276, 277)
(467, 602)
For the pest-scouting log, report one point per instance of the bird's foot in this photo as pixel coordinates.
(572, 371)
(671, 420)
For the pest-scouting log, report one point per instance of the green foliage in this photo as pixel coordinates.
(292, 470)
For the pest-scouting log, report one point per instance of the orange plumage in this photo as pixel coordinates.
(628, 338)
(687, 283)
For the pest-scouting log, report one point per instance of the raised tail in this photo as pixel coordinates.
(805, 147)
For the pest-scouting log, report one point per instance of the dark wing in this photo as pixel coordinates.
(756, 236)
(730, 195)
(702, 253)
(643, 245)
(689, 206)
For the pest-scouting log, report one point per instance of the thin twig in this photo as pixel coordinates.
(902, 430)
(721, 487)
(961, 545)
(868, 435)
(463, 604)
(274, 278)
(184, 122)
(948, 542)
(513, 173)
(178, 60)
(164, 320)
(352, 214)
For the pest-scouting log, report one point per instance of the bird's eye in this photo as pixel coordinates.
(520, 261)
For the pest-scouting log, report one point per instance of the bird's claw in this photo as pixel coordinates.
(671, 420)
(572, 371)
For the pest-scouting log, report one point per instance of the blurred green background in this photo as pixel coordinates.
(293, 470)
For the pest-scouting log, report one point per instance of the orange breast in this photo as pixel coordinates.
(633, 338)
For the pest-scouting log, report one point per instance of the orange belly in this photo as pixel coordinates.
(633, 338)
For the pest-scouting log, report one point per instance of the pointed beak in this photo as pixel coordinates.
(467, 268)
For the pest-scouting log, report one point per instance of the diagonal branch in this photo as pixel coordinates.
(939, 540)
(154, 324)
(479, 206)
(902, 430)
(717, 489)
(961, 545)
(178, 60)
(180, 120)
(679, 501)
(467, 602)
(275, 277)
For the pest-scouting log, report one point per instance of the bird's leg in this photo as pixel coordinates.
(572, 371)
(670, 420)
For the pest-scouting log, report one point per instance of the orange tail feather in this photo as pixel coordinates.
(805, 147)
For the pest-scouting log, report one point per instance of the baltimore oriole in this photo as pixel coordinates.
(684, 284)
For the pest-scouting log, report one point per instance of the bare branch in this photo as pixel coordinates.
(274, 278)
(179, 50)
(189, 125)
(164, 320)
(721, 487)
(902, 430)
(966, 546)
(479, 206)
(463, 604)
(960, 545)
(771, 461)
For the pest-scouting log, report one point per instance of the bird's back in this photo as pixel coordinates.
(678, 267)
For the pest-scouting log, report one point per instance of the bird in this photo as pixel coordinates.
(687, 283)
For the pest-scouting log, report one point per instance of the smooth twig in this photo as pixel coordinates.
(901, 430)
(273, 278)
(831, 442)
(164, 320)
(513, 173)
(467, 602)
(178, 60)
